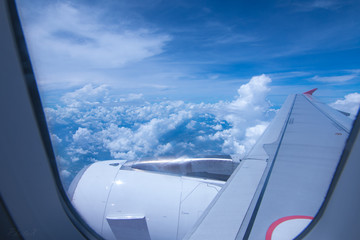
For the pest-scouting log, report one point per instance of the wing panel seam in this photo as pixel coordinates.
(258, 203)
(337, 124)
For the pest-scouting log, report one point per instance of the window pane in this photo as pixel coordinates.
(165, 91)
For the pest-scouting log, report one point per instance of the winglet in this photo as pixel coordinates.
(310, 92)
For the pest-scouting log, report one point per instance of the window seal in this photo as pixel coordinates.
(37, 108)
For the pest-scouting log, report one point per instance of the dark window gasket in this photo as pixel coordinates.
(39, 114)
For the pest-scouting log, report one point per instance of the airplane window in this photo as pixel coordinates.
(152, 106)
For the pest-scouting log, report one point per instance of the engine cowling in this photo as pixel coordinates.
(120, 201)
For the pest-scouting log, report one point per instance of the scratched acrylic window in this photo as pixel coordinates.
(172, 87)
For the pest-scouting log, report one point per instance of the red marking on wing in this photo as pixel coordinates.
(310, 92)
(281, 220)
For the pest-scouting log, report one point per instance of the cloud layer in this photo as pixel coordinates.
(89, 125)
(349, 104)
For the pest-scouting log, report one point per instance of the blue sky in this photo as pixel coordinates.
(175, 48)
(139, 79)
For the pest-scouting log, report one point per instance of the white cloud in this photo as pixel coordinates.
(134, 130)
(62, 161)
(132, 97)
(201, 138)
(86, 95)
(349, 104)
(78, 151)
(78, 34)
(256, 131)
(217, 127)
(252, 134)
(249, 107)
(131, 143)
(70, 37)
(55, 139)
(82, 135)
(333, 79)
(64, 173)
(252, 96)
(191, 125)
(75, 159)
(162, 149)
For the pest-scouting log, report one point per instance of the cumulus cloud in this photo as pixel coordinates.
(82, 135)
(132, 97)
(75, 159)
(252, 94)
(55, 139)
(253, 133)
(217, 127)
(248, 108)
(62, 161)
(349, 104)
(64, 173)
(124, 129)
(163, 149)
(130, 144)
(87, 95)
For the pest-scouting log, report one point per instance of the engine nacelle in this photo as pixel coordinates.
(128, 203)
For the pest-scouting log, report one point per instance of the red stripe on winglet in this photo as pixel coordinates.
(311, 91)
(281, 220)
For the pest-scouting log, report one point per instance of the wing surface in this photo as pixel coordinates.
(284, 178)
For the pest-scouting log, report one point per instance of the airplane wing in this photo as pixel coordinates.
(280, 185)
